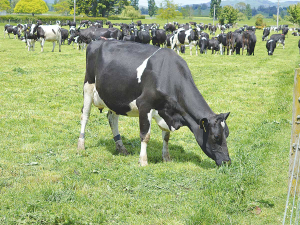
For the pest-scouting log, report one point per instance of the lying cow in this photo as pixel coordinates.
(157, 83)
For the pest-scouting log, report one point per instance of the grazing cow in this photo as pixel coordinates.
(222, 42)
(71, 24)
(159, 36)
(157, 83)
(266, 33)
(9, 29)
(213, 44)
(51, 33)
(295, 34)
(271, 45)
(64, 35)
(236, 42)
(279, 38)
(249, 40)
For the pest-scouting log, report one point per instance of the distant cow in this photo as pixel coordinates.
(203, 44)
(271, 45)
(249, 40)
(222, 42)
(64, 35)
(157, 83)
(9, 29)
(159, 36)
(213, 44)
(51, 33)
(182, 37)
(266, 33)
(279, 38)
(299, 46)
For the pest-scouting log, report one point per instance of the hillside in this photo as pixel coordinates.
(257, 3)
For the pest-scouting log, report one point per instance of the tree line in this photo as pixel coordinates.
(166, 10)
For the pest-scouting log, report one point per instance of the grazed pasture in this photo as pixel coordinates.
(44, 181)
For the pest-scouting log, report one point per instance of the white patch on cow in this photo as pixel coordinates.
(161, 122)
(270, 40)
(97, 101)
(134, 111)
(203, 38)
(142, 67)
(223, 124)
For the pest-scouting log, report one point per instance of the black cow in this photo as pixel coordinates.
(266, 33)
(222, 42)
(159, 36)
(271, 45)
(151, 83)
(299, 46)
(285, 30)
(169, 27)
(279, 38)
(213, 44)
(203, 44)
(142, 36)
(236, 43)
(71, 23)
(295, 34)
(84, 23)
(249, 40)
(64, 35)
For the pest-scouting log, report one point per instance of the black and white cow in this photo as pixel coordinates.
(182, 37)
(71, 24)
(222, 42)
(51, 33)
(266, 33)
(148, 88)
(9, 29)
(279, 38)
(212, 29)
(271, 45)
(203, 44)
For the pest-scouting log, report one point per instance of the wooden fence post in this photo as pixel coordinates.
(295, 134)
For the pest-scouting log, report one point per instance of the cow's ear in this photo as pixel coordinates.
(204, 124)
(226, 115)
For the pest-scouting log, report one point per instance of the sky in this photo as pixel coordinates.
(188, 2)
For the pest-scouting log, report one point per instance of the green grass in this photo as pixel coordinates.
(44, 181)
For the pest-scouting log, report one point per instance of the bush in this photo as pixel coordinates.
(259, 21)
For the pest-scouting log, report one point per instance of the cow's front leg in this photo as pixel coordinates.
(165, 150)
(145, 117)
(53, 46)
(113, 120)
(42, 45)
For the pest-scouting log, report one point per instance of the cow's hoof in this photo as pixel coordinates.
(121, 148)
(143, 161)
(166, 158)
(80, 145)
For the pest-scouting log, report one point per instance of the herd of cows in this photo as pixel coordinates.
(147, 86)
(173, 35)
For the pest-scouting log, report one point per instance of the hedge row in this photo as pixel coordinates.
(52, 19)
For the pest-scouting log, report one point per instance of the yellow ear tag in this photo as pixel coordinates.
(203, 126)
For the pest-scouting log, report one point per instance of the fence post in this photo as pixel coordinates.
(295, 132)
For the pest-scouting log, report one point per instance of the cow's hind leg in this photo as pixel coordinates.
(86, 109)
(113, 120)
(53, 46)
(165, 150)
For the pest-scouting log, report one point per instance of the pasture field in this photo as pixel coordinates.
(44, 181)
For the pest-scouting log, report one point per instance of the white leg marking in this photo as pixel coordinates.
(143, 155)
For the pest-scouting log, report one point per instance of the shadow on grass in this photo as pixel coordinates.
(154, 152)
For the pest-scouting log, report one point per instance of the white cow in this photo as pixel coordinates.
(51, 33)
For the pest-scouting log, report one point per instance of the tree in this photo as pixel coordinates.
(95, 7)
(135, 4)
(168, 10)
(152, 8)
(31, 6)
(229, 13)
(130, 12)
(4, 5)
(218, 8)
(62, 7)
(241, 16)
(241, 6)
(248, 12)
(259, 21)
(294, 14)
(187, 11)
(120, 5)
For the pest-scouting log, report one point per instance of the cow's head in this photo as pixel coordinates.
(203, 44)
(215, 131)
(271, 45)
